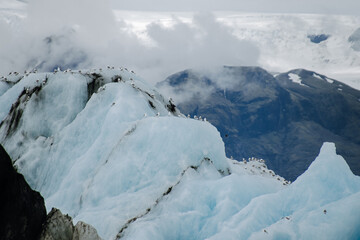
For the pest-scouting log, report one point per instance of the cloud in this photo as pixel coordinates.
(84, 34)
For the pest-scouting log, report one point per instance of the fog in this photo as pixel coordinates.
(85, 34)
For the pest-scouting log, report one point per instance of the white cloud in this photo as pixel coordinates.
(84, 34)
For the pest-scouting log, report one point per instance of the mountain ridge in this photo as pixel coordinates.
(269, 117)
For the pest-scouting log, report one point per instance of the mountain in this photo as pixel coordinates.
(107, 149)
(283, 119)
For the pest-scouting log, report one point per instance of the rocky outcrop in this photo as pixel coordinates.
(22, 209)
(60, 227)
(23, 213)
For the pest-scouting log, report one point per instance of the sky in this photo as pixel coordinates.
(160, 37)
(268, 6)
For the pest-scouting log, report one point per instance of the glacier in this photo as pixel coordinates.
(108, 149)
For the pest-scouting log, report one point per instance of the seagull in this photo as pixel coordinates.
(158, 114)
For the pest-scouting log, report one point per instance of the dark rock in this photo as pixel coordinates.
(22, 209)
(318, 38)
(60, 227)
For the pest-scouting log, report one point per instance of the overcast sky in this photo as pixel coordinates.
(270, 6)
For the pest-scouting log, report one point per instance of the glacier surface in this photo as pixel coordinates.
(106, 148)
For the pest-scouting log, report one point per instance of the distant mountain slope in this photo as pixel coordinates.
(283, 119)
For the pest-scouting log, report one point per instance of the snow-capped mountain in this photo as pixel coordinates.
(283, 119)
(106, 148)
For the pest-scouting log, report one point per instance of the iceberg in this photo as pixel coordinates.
(106, 148)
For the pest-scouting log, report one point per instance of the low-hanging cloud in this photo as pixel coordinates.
(84, 34)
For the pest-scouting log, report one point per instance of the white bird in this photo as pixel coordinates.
(158, 114)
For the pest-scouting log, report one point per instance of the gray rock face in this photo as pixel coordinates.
(84, 231)
(60, 227)
(283, 119)
(354, 39)
(22, 210)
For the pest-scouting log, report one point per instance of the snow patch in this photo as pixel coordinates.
(329, 80)
(317, 76)
(296, 79)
